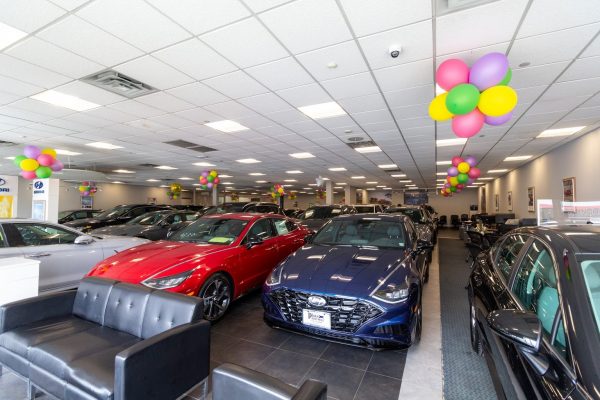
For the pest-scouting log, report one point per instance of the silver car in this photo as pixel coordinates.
(65, 254)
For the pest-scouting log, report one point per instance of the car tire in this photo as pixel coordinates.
(426, 275)
(217, 292)
(476, 342)
(419, 324)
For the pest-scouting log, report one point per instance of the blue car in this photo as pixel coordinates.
(357, 280)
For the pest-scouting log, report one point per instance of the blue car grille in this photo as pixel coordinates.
(347, 314)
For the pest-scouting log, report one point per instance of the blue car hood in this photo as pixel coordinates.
(341, 270)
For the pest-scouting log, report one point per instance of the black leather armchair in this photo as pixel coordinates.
(233, 382)
(108, 340)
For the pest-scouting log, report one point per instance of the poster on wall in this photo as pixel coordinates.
(568, 194)
(384, 198)
(415, 197)
(509, 201)
(531, 199)
(87, 202)
(6, 206)
(497, 202)
(482, 201)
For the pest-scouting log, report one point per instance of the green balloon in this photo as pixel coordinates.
(453, 188)
(210, 178)
(462, 99)
(43, 172)
(506, 80)
(462, 178)
(18, 160)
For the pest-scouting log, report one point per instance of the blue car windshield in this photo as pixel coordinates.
(591, 274)
(367, 232)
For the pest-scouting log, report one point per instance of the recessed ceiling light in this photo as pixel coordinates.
(152, 180)
(256, 174)
(124, 171)
(379, 186)
(371, 182)
(368, 149)
(9, 35)
(412, 187)
(406, 181)
(204, 164)
(261, 181)
(387, 166)
(294, 171)
(227, 126)
(338, 187)
(290, 180)
(228, 183)
(497, 171)
(441, 173)
(248, 161)
(312, 184)
(478, 183)
(548, 133)
(332, 65)
(302, 155)
(195, 184)
(387, 188)
(166, 167)
(66, 152)
(337, 169)
(517, 158)
(103, 145)
(326, 179)
(117, 182)
(399, 176)
(440, 180)
(358, 177)
(9, 158)
(443, 162)
(288, 185)
(225, 176)
(340, 183)
(185, 178)
(450, 142)
(323, 110)
(64, 100)
(486, 179)
(164, 186)
(370, 188)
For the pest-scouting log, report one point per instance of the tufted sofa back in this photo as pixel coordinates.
(135, 309)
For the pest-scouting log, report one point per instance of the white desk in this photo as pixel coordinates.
(19, 279)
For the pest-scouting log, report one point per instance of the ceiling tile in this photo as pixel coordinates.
(136, 22)
(265, 103)
(198, 94)
(593, 49)
(306, 25)
(136, 108)
(46, 55)
(235, 85)
(165, 101)
(29, 15)
(30, 73)
(584, 87)
(363, 103)
(583, 68)
(69, 4)
(553, 15)
(455, 31)
(153, 72)
(16, 87)
(262, 5)
(536, 76)
(90, 93)
(281, 74)
(198, 115)
(416, 95)
(404, 76)
(89, 41)
(202, 16)
(230, 110)
(351, 86)
(305, 95)
(346, 55)
(111, 114)
(232, 41)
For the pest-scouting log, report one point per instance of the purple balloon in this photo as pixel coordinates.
(472, 161)
(209, 185)
(470, 181)
(31, 151)
(447, 185)
(57, 166)
(452, 171)
(205, 174)
(498, 120)
(86, 193)
(488, 71)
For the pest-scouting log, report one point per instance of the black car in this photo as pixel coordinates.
(316, 216)
(154, 225)
(72, 215)
(535, 312)
(187, 207)
(263, 208)
(115, 216)
(421, 218)
(292, 212)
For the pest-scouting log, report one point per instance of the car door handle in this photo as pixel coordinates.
(39, 255)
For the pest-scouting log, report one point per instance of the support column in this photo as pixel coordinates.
(365, 196)
(349, 195)
(328, 193)
(215, 195)
(44, 200)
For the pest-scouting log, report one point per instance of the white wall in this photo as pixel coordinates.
(579, 159)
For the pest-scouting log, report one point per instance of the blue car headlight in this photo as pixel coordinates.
(392, 293)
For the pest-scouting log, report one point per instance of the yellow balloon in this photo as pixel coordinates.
(438, 110)
(463, 167)
(454, 181)
(497, 101)
(49, 151)
(29, 164)
(213, 173)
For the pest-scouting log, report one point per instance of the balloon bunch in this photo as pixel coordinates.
(174, 191)
(476, 96)
(235, 197)
(463, 172)
(87, 188)
(293, 195)
(321, 194)
(208, 179)
(36, 163)
(277, 191)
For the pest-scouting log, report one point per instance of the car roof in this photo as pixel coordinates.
(384, 217)
(584, 238)
(242, 216)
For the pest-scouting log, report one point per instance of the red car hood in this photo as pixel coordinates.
(161, 258)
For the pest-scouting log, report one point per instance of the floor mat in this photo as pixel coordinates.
(466, 375)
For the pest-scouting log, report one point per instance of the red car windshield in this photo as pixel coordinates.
(211, 230)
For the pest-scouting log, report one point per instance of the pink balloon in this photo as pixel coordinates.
(460, 186)
(468, 125)
(45, 160)
(456, 160)
(451, 73)
(494, 121)
(474, 173)
(28, 174)
(57, 166)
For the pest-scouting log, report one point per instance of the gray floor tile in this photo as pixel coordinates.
(378, 387)
(246, 354)
(266, 335)
(350, 356)
(342, 382)
(389, 363)
(305, 345)
(287, 366)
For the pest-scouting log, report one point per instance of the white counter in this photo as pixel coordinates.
(19, 279)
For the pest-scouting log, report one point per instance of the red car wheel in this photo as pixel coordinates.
(216, 292)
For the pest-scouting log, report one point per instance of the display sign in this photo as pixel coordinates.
(87, 202)
(9, 190)
(44, 199)
(416, 197)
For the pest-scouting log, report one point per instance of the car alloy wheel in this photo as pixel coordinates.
(475, 338)
(419, 324)
(216, 293)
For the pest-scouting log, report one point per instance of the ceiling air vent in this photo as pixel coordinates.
(118, 83)
(148, 165)
(364, 143)
(4, 143)
(190, 146)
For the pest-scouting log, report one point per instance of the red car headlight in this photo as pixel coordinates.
(167, 282)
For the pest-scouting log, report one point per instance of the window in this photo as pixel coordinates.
(261, 230)
(281, 226)
(81, 214)
(136, 212)
(411, 232)
(173, 219)
(42, 235)
(191, 217)
(290, 225)
(366, 231)
(591, 274)
(508, 253)
(211, 230)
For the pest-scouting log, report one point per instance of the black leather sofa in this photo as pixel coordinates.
(233, 382)
(107, 340)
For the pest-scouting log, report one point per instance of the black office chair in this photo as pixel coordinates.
(443, 221)
(454, 221)
(464, 217)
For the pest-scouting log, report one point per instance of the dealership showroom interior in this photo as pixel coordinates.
(299, 199)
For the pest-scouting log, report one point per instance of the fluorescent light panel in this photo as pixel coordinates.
(450, 142)
(204, 164)
(103, 145)
(227, 126)
(323, 110)
(387, 166)
(185, 178)
(294, 171)
(358, 177)
(66, 152)
(165, 167)
(337, 169)
(549, 133)
(248, 161)
(497, 171)
(399, 176)
(60, 99)
(368, 149)
(302, 155)
(124, 171)
(517, 158)
(256, 174)
(448, 162)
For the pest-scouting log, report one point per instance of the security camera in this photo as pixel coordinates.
(395, 50)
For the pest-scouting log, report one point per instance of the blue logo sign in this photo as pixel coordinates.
(38, 184)
(2, 182)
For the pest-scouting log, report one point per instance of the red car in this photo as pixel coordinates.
(218, 257)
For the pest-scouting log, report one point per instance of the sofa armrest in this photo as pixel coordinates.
(231, 382)
(311, 390)
(35, 309)
(164, 366)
